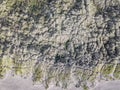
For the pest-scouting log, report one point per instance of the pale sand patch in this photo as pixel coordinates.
(19, 83)
(108, 85)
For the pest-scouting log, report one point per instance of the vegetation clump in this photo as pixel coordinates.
(116, 73)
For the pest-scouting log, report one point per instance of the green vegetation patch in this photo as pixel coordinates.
(2, 69)
(85, 87)
(116, 73)
(64, 78)
(86, 75)
(107, 69)
(38, 74)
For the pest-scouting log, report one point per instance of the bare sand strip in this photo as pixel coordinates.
(108, 85)
(19, 83)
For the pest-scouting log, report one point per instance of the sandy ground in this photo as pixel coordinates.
(108, 85)
(18, 83)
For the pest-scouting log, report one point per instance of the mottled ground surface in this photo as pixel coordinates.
(63, 42)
